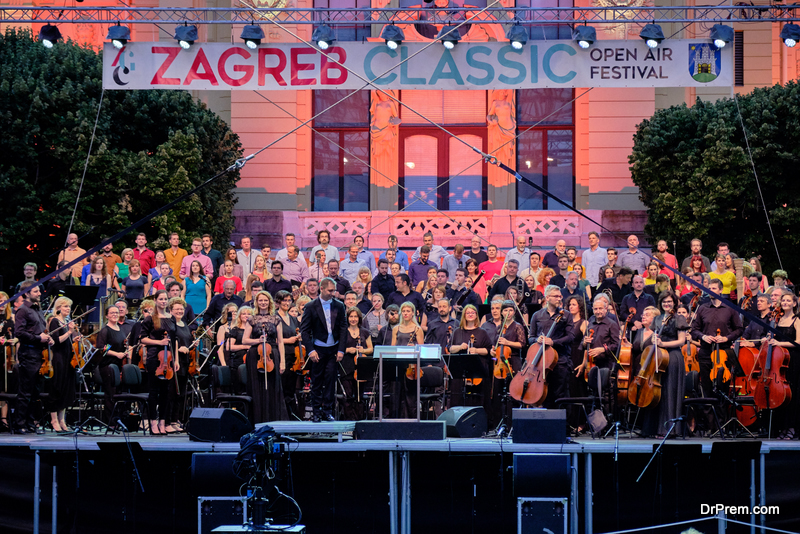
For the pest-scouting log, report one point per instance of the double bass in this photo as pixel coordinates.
(768, 378)
(529, 385)
(645, 389)
(625, 359)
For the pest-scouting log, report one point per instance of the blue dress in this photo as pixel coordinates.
(196, 294)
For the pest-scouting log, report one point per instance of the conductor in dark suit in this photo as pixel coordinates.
(323, 332)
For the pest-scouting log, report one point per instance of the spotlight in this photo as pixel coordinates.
(186, 35)
(721, 35)
(118, 35)
(518, 36)
(323, 36)
(393, 36)
(584, 35)
(48, 35)
(652, 35)
(252, 35)
(449, 40)
(790, 34)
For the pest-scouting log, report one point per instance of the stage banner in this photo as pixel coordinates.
(539, 64)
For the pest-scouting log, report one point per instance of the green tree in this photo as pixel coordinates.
(149, 148)
(696, 178)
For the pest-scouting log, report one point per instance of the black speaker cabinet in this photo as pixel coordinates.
(465, 421)
(218, 424)
(400, 430)
(535, 425)
(542, 475)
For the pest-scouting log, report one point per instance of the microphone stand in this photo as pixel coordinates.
(658, 449)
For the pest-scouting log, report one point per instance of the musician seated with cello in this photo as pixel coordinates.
(716, 327)
(559, 340)
(754, 332)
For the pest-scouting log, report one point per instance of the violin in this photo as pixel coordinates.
(265, 362)
(11, 356)
(696, 298)
(472, 381)
(645, 389)
(587, 360)
(411, 371)
(193, 369)
(529, 385)
(299, 356)
(166, 364)
(78, 354)
(625, 359)
(46, 370)
(689, 352)
(502, 367)
(719, 359)
(768, 377)
(141, 352)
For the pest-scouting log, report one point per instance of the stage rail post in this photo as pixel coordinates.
(587, 501)
(762, 474)
(393, 492)
(54, 519)
(37, 461)
(573, 508)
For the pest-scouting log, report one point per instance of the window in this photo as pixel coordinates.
(738, 58)
(346, 32)
(545, 148)
(341, 152)
(542, 32)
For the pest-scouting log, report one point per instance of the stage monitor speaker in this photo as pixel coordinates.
(400, 430)
(542, 475)
(536, 515)
(212, 474)
(218, 424)
(465, 421)
(534, 425)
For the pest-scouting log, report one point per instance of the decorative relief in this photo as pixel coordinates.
(347, 227)
(546, 225)
(620, 29)
(441, 226)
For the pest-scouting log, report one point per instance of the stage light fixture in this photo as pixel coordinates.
(252, 35)
(584, 35)
(49, 35)
(393, 36)
(720, 35)
(652, 35)
(518, 36)
(790, 34)
(449, 37)
(118, 35)
(186, 35)
(323, 36)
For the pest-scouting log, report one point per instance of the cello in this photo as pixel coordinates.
(502, 368)
(529, 385)
(768, 377)
(747, 415)
(625, 359)
(645, 389)
(719, 360)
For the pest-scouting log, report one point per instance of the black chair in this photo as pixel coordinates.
(130, 381)
(10, 397)
(596, 400)
(223, 388)
(692, 387)
(432, 379)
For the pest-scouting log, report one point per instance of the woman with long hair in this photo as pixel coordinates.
(673, 337)
(154, 336)
(111, 336)
(365, 276)
(682, 287)
(697, 265)
(544, 279)
(583, 283)
(134, 285)
(756, 263)
(375, 319)
(727, 277)
(181, 339)
(788, 327)
(260, 270)
(290, 331)
(226, 323)
(576, 307)
(605, 273)
(62, 385)
(358, 342)
(99, 278)
(155, 272)
(470, 339)
(238, 270)
(196, 288)
(473, 272)
(264, 328)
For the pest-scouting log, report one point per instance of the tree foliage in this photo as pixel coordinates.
(149, 148)
(696, 178)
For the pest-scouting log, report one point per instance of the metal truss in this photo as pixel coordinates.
(423, 16)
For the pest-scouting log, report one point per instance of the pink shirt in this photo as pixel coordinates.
(205, 263)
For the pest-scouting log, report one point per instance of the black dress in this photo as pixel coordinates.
(116, 340)
(265, 388)
(577, 384)
(62, 385)
(471, 366)
(352, 402)
(289, 378)
(673, 381)
(788, 414)
(177, 395)
(158, 398)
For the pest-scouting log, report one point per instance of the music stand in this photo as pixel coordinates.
(414, 353)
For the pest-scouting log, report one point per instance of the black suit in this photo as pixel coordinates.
(314, 328)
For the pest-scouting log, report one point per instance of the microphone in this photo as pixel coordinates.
(121, 424)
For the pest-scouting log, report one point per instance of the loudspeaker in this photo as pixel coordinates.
(394, 430)
(465, 421)
(542, 475)
(534, 425)
(218, 424)
(212, 474)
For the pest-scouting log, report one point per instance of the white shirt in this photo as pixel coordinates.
(283, 254)
(331, 253)
(326, 309)
(523, 258)
(592, 261)
(349, 269)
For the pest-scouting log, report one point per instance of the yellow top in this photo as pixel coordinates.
(728, 280)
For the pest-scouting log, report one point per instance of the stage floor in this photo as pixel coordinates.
(326, 438)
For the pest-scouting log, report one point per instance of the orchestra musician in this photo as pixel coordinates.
(407, 333)
(288, 326)
(708, 319)
(180, 336)
(754, 331)
(154, 336)
(788, 337)
(62, 385)
(560, 340)
(30, 328)
(358, 343)
(263, 326)
(673, 337)
(113, 336)
(462, 293)
(513, 337)
(470, 339)
(385, 332)
(323, 332)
